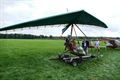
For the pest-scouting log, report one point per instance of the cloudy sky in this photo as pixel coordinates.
(17, 11)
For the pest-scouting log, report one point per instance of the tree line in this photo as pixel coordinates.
(24, 36)
(30, 36)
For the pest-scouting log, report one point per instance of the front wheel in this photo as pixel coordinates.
(74, 63)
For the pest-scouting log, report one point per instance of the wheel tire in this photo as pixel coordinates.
(59, 56)
(74, 63)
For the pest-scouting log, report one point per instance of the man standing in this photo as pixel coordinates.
(97, 45)
(85, 45)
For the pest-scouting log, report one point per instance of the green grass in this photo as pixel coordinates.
(29, 60)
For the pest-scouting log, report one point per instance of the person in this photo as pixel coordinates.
(73, 45)
(85, 45)
(97, 45)
(76, 49)
(67, 42)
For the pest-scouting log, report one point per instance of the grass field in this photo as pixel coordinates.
(29, 60)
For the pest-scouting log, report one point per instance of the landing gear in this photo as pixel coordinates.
(69, 59)
(74, 60)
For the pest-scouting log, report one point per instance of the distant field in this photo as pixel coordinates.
(29, 60)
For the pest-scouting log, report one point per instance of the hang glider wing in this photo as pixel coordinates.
(80, 17)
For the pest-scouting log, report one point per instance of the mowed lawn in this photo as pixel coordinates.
(29, 60)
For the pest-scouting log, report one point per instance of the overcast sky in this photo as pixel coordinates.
(17, 11)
